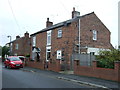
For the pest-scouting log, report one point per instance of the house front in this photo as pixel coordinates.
(21, 46)
(82, 34)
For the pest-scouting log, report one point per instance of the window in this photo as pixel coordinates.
(49, 37)
(48, 53)
(94, 35)
(16, 46)
(59, 54)
(59, 33)
(34, 41)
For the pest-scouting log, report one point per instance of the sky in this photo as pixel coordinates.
(19, 16)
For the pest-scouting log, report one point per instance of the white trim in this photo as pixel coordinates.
(59, 33)
(96, 50)
(49, 47)
(34, 41)
(94, 35)
(59, 54)
(17, 46)
(49, 35)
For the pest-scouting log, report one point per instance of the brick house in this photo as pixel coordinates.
(21, 46)
(60, 41)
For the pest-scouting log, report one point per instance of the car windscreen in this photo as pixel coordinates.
(14, 59)
(22, 58)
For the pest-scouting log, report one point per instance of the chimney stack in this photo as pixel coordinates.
(17, 37)
(75, 13)
(48, 23)
(26, 34)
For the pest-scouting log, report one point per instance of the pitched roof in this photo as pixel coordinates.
(64, 23)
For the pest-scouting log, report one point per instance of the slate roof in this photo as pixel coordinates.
(60, 24)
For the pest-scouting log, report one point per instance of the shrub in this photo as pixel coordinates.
(106, 58)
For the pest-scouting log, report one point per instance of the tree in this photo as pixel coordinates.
(5, 51)
(106, 59)
(119, 47)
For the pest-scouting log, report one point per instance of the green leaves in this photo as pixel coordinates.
(106, 58)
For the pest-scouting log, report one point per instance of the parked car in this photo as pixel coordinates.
(13, 62)
(22, 58)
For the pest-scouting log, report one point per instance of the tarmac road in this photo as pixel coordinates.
(17, 78)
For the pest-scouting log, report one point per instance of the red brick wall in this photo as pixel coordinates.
(54, 66)
(23, 46)
(41, 40)
(70, 38)
(38, 65)
(92, 22)
(65, 43)
(108, 74)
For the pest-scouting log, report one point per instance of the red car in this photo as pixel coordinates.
(13, 62)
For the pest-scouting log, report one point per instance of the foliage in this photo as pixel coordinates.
(0, 50)
(5, 51)
(28, 55)
(119, 47)
(106, 58)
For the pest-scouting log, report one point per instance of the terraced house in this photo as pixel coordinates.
(56, 43)
(21, 45)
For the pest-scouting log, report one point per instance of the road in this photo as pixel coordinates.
(17, 78)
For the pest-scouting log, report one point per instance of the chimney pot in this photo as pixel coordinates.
(73, 8)
(75, 13)
(26, 34)
(48, 23)
(47, 19)
(17, 37)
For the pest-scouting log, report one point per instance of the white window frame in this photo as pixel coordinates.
(17, 46)
(94, 35)
(49, 37)
(59, 33)
(59, 54)
(48, 49)
(34, 41)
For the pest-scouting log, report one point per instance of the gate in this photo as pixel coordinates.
(85, 59)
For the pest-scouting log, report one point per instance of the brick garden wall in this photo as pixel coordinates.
(32, 64)
(54, 66)
(94, 71)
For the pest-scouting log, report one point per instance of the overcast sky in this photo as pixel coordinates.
(19, 16)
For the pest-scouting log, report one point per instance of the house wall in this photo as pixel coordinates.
(67, 43)
(41, 40)
(92, 22)
(23, 46)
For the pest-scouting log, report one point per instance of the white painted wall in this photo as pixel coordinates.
(96, 50)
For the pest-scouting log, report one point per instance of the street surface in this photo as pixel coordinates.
(17, 78)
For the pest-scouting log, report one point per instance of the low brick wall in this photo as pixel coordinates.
(54, 66)
(94, 71)
(38, 65)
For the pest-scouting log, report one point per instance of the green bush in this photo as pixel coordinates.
(27, 55)
(106, 58)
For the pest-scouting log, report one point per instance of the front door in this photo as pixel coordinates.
(48, 56)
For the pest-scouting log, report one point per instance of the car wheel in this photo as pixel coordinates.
(5, 66)
(9, 67)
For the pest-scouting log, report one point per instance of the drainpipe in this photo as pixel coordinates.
(79, 34)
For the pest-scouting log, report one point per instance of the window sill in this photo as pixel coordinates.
(59, 37)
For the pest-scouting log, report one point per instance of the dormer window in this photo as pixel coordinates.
(94, 35)
(59, 33)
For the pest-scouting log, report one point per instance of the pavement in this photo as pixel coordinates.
(95, 82)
